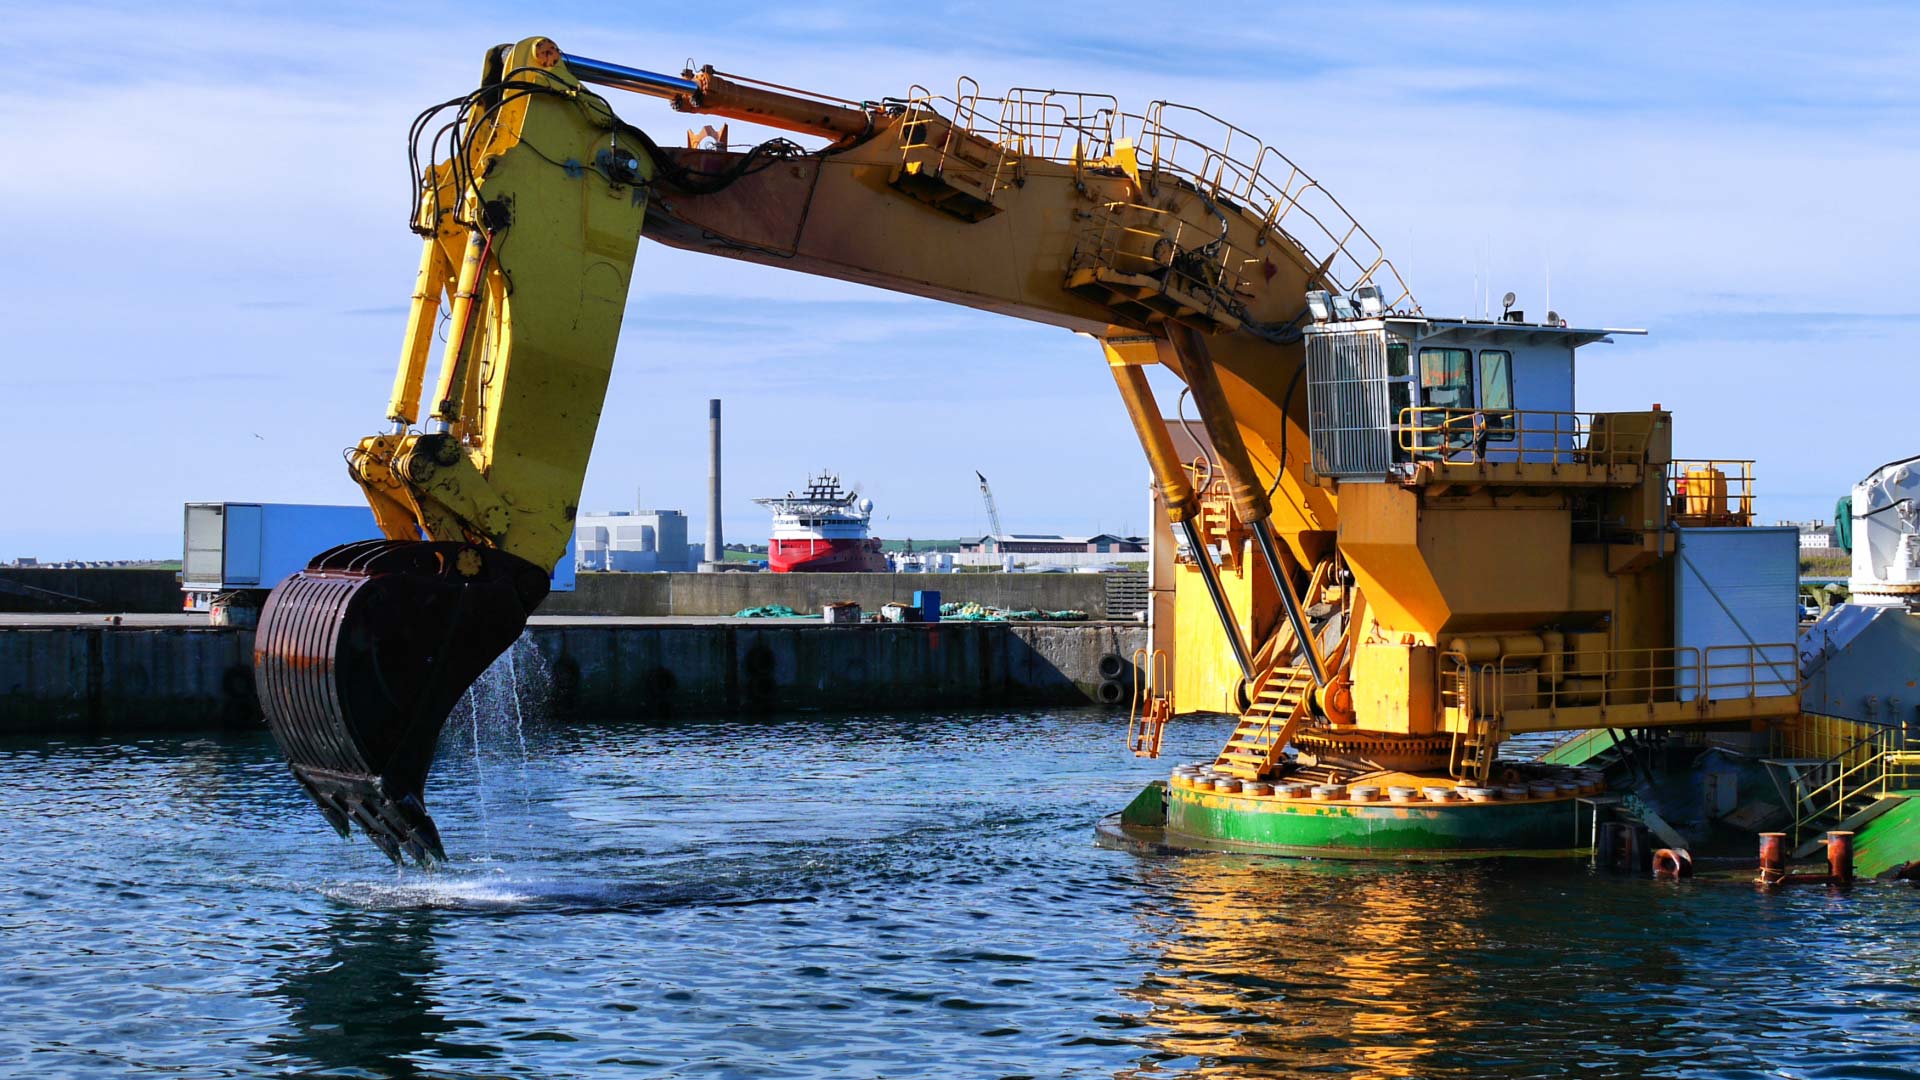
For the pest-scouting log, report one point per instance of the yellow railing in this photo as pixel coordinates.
(1761, 670)
(1855, 759)
(1479, 436)
(946, 138)
(1152, 702)
(1618, 678)
(1710, 491)
(1136, 239)
(1230, 166)
(1817, 737)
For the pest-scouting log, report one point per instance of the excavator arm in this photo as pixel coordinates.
(533, 194)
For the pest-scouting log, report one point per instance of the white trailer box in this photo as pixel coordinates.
(232, 547)
(1736, 609)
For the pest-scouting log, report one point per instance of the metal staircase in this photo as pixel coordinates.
(1219, 525)
(1474, 752)
(1608, 749)
(1282, 701)
(1864, 779)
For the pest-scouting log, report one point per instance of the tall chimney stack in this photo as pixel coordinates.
(716, 549)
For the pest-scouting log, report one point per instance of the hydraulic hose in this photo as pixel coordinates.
(1182, 504)
(1249, 498)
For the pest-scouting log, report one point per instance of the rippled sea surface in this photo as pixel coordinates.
(873, 896)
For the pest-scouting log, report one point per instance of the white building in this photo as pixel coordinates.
(634, 542)
(1814, 535)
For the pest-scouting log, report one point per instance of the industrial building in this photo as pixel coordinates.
(634, 542)
(1048, 544)
(1815, 535)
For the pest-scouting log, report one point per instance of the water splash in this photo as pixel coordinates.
(519, 720)
(507, 699)
(479, 769)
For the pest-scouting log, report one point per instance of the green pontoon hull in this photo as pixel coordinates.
(1187, 819)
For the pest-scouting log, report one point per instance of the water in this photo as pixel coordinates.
(897, 896)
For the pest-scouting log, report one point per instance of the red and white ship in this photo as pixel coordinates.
(822, 528)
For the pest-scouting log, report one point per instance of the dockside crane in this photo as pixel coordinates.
(993, 512)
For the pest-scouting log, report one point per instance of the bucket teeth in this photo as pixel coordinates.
(359, 658)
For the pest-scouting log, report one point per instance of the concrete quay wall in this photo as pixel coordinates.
(103, 589)
(724, 594)
(86, 680)
(658, 670)
(83, 678)
(143, 591)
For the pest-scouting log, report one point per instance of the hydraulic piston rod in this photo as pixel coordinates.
(1182, 506)
(707, 91)
(621, 77)
(1249, 501)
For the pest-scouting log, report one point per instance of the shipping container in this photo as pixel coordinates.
(234, 547)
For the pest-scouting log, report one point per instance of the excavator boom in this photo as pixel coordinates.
(1049, 206)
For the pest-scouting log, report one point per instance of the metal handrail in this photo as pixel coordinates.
(1875, 770)
(1470, 437)
(1203, 262)
(1146, 718)
(1873, 764)
(1733, 506)
(1775, 657)
(1627, 678)
(1240, 170)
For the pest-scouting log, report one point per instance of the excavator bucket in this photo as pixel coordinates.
(359, 658)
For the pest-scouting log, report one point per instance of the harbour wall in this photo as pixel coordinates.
(127, 590)
(92, 679)
(140, 591)
(660, 671)
(724, 594)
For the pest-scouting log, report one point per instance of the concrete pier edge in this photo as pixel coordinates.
(81, 675)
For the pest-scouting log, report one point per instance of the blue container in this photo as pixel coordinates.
(928, 601)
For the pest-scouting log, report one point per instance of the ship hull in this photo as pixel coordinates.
(826, 556)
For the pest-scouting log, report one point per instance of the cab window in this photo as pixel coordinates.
(1446, 380)
(1399, 386)
(1496, 392)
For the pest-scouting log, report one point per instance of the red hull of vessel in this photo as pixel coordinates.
(818, 556)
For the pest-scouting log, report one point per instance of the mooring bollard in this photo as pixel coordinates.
(1606, 846)
(1773, 858)
(1840, 857)
(1639, 849)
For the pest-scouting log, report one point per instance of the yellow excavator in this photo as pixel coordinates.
(1168, 236)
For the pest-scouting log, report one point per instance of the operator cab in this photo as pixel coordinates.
(1387, 391)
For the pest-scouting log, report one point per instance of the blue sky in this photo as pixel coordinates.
(207, 260)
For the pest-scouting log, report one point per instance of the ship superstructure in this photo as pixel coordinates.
(822, 528)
